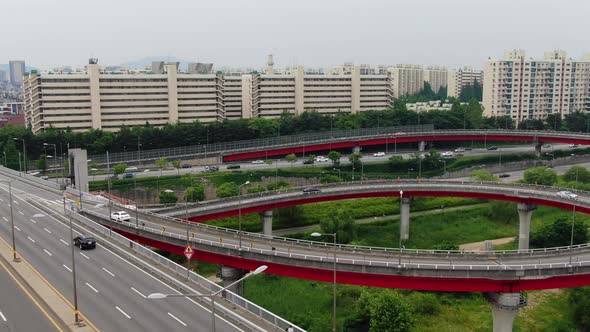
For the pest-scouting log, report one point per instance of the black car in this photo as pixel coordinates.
(307, 162)
(233, 166)
(85, 242)
(311, 190)
(491, 148)
(186, 166)
(504, 175)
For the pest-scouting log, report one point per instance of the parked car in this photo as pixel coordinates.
(131, 168)
(460, 149)
(311, 190)
(504, 175)
(567, 194)
(233, 166)
(120, 216)
(186, 166)
(492, 148)
(128, 176)
(84, 242)
(258, 161)
(44, 177)
(379, 154)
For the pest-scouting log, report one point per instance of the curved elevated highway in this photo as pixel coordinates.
(508, 271)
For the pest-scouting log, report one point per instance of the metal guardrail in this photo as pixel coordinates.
(180, 270)
(30, 179)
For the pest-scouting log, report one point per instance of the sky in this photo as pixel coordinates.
(313, 33)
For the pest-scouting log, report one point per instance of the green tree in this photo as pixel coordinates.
(311, 158)
(558, 234)
(119, 169)
(577, 173)
(355, 160)
(342, 223)
(387, 311)
(42, 163)
(579, 300)
(176, 164)
(228, 189)
(540, 175)
(256, 189)
(432, 160)
(263, 127)
(161, 164)
(168, 197)
(291, 158)
(196, 193)
(289, 216)
(334, 156)
(474, 114)
(10, 155)
(483, 175)
(503, 211)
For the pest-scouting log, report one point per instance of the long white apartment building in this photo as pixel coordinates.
(406, 80)
(436, 76)
(458, 79)
(525, 88)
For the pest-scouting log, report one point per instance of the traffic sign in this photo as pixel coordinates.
(188, 252)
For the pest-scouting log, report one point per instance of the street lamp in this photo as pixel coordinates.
(240, 212)
(24, 152)
(339, 173)
(14, 256)
(316, 234)
(401, 196)
(54, 154)
(211, 296)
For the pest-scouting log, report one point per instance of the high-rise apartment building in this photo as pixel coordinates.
(407, 80)
(3, 76)
(17, 70)
(436, 76)
(525, 88)
(460, 78)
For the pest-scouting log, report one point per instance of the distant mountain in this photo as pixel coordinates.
(147, 61)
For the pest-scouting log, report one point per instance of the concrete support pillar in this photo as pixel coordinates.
(267, 222)
(504, 308)
(404, 213)
(538, 147)
(356, 149)
(230, 275)
(421, 146)
(525, 212)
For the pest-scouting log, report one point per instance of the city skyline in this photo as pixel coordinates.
(237, 33)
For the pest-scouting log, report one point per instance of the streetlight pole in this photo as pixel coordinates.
(15, 258)
(24, 152)
(334, 280)
(76, 312)
(401, 196)
(211, 296)
(339, 173)
(240, 213)
(54, 153)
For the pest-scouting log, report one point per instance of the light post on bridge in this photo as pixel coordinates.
(339, 173)
(401, 196)
(240, 213)
(316, 234)
(24, 152)
(54, 154)
(211, 296)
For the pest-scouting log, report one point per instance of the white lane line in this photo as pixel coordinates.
(28, 237)
(109, 272)
(5, 219)
(33, 221)
(138, 292)
(67, 268)
(16, 202)
(18, 229)
(47, 252)
(1, 200)
(84, 256)
(94, 289)
(123, 312)
(178, 320)
(3, 318)
(21, 212)
(64, 242)
(48, 231)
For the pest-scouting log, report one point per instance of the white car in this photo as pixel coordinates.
(379, 154)
(131, 168)
(567, 194)
(258, 161)
(460, 150)
(321, 159)
(448, 154)
(573, 145)
(120, 216)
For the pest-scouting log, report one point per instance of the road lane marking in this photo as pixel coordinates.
(64, 242)
(90, 286)
(21, 212)
(28, 237)
(16, 202)
(3, 318)
(5, 219)
(67, 268)
(47, 252)
(178, 320)
(84, 255)
(33, 221)
(18, 229)
(109, 272)
(48, 231)
(138, 292)
(123, 312)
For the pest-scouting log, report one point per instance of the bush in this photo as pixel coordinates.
(228, 189)
(195, 193)
(330, 179)
(256, 189)
(558, 234)
(168, 197)
(540, 176)
(277, 185)
(577, 173)
(579, 299)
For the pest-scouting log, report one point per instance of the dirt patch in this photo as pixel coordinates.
(481, 245)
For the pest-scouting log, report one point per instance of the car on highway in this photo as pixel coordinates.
(447, 154)
(321, 159)
(233, 166)
(211, 169)
(131, 168)
(379, 154)
(258, 161)
(566, 194)
(311, 190)
(186, 166)
(504, 175)
(128, 176)
(120, 216)
(460, 149)
(546, 146)
(492, 148)
(307, 162)
(574, 145)
(84, 242)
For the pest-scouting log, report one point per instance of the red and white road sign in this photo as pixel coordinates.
(188, 252)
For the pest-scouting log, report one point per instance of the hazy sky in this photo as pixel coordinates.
(313, 33)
